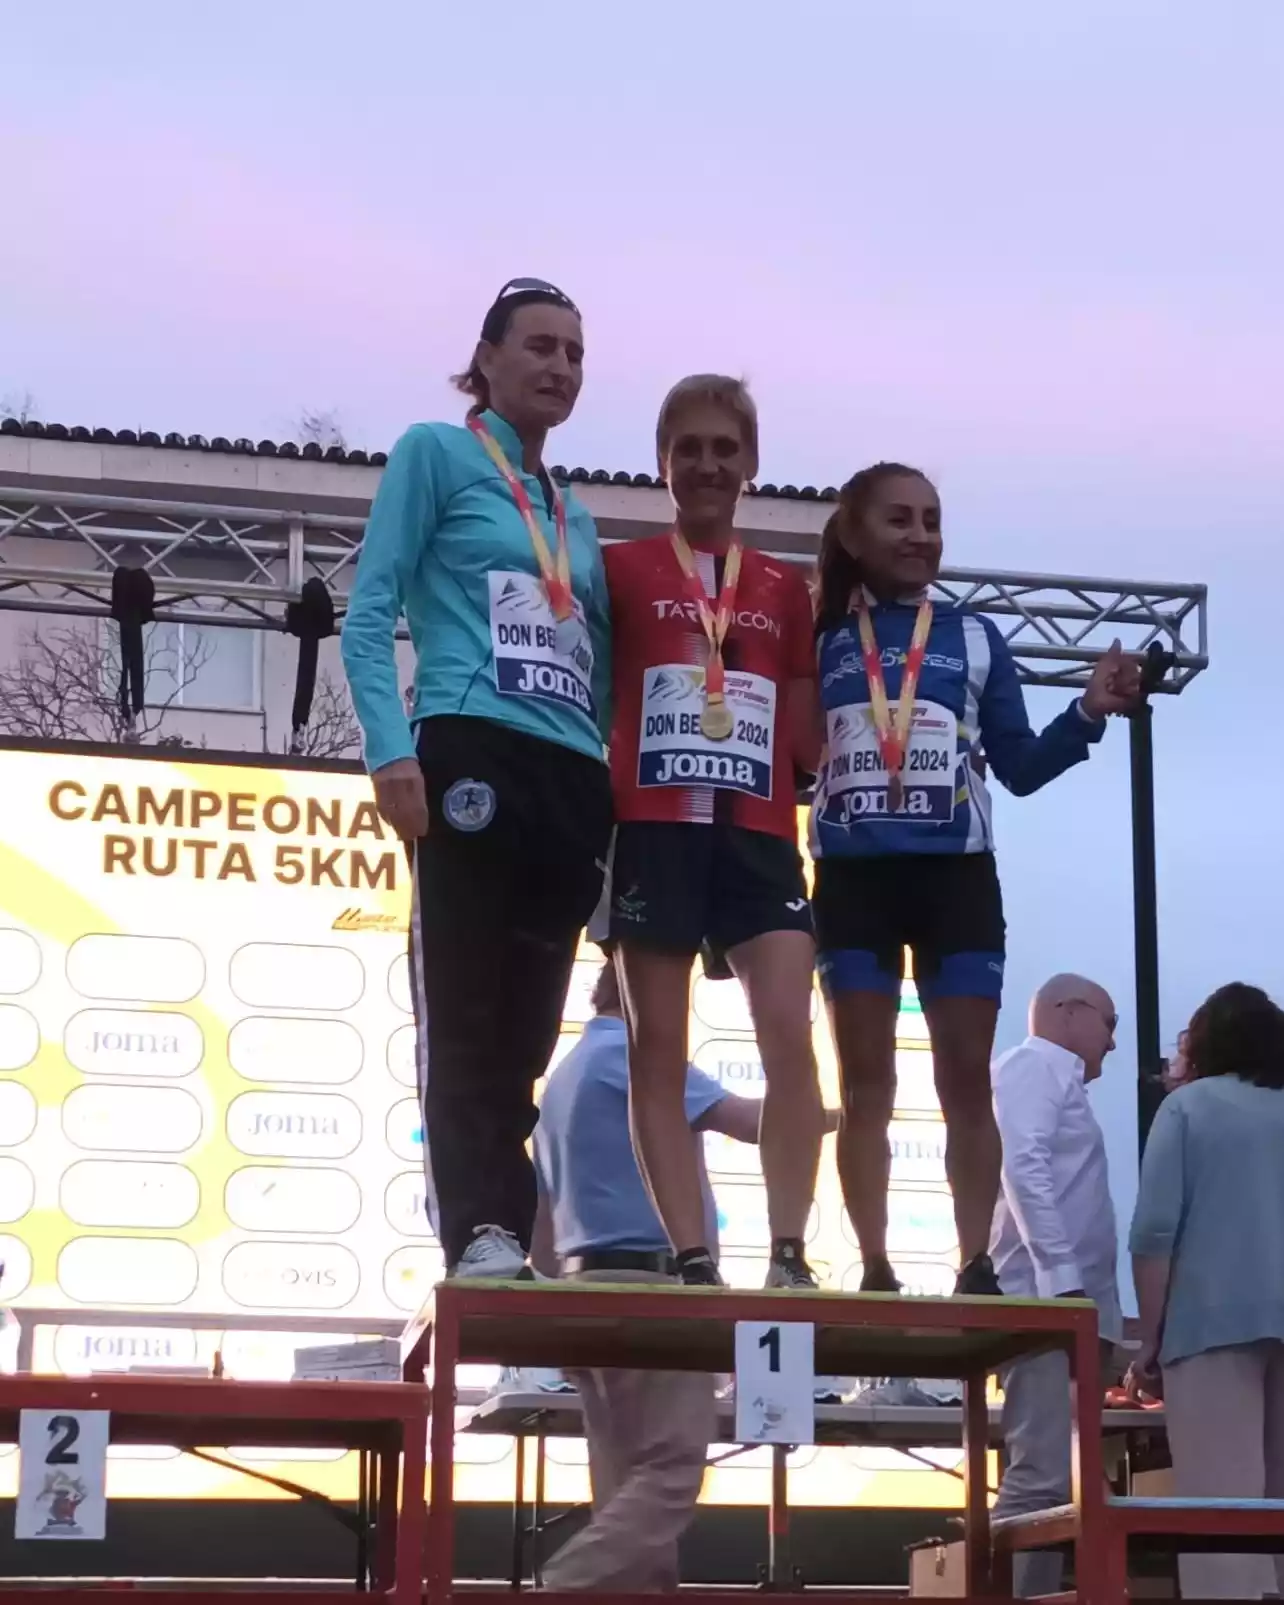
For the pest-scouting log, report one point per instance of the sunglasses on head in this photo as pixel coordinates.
(540, 287)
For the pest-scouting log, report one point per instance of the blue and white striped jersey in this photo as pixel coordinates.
(968, 703)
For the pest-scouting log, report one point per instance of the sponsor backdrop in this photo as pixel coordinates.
(207, 1100)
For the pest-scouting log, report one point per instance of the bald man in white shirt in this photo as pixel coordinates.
(1053, 1234)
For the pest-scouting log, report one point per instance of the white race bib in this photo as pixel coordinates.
(672, 750)
(856, 779)
(523, 639)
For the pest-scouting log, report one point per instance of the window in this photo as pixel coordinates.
(204, 666)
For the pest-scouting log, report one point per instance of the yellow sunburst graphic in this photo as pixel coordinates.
(208, 1100)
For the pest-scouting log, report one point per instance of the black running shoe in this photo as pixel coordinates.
(977, 1279)
(789, 1267)
(696, 1268)
(879, 1277)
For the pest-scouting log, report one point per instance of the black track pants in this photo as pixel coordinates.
(505, 881)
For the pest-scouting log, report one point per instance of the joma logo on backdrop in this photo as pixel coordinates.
(273, 1125)
(146, 1042)
(135, 1042)
(729, 1071)
(215, 858)
(309, 1125)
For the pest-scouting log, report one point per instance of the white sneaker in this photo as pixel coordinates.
(494, 1253)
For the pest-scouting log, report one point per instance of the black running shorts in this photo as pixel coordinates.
(678, 887)
(946, 908)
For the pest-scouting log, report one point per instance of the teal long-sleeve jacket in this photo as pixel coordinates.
(447, 546)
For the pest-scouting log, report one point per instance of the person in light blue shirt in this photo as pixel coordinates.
(601, 1213)
(494, 774)
(648, 1432)
(1208, 1261)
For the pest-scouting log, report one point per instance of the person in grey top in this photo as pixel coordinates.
(1208, 1261)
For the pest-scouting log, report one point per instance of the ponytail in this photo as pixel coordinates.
(474, 384)
(837, 574)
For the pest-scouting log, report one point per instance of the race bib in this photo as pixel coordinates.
(523, 640)
(856, 779)
(672, 751)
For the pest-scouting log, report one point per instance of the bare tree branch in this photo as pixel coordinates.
(332, 730)
(19, 404)
(321, 427)
(64, 685)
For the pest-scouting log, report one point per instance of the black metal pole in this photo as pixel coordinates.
(1145, 910)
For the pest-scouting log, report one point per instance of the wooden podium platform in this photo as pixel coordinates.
(673, 1328)
(527, 1415)
(385, 1421)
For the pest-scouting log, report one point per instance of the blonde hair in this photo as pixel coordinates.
(716, 389)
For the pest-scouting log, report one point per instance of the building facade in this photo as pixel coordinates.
(229, 536)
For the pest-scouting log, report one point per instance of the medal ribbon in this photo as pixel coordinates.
(893, 739)
(714, 621)
(555, 574)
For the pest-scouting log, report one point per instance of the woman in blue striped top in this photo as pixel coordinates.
(913, 691)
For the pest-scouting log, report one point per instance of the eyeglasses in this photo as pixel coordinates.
(1111, 1020)
(541, 286)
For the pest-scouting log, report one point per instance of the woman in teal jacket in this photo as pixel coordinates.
(495, 778)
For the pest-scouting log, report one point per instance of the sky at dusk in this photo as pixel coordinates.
(1036, 249)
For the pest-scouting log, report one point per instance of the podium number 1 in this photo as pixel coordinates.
(775, 1384)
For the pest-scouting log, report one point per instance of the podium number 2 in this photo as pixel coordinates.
(64, 1430)
(770, 1340)
(62, 1474)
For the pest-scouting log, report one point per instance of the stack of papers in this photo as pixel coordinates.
(375, 1360)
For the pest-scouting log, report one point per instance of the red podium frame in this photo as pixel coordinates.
(385, 1419)
(1220, 1526)
(567, 1324)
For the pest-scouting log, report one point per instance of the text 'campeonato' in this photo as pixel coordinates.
(150, 811)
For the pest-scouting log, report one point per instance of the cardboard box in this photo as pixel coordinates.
(936, 1569)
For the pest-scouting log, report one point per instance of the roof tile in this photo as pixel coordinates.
(244, 447)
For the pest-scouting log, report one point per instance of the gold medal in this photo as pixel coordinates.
(893, 736)
(717, 722)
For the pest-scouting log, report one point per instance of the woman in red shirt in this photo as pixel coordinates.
(714, 712)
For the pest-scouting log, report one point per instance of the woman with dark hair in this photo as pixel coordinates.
(1207, 1243)
(496, 778)
(903, 842)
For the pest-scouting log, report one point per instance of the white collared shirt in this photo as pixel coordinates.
(1054, 1227)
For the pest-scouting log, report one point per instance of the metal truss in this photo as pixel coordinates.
(240, 567)
(231, 566)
